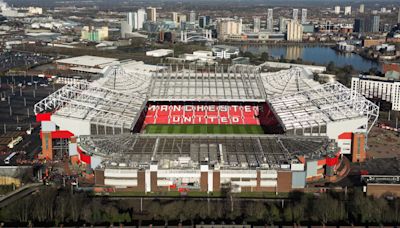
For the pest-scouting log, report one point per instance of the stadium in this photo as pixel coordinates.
(179, 128)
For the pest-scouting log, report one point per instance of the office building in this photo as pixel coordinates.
(35, 10)
(304, 16)
(192, 17)
(175, 17)
(375, 23)
(270, 20)
(294, 31)
(125, 28)
(131, 19)
(347, 10)
(90, 33)
(337, 9)
(295, 14)
(228, 26)
(283, 24)
(256, 24)
(141, 18)
(362, 8)
(367, 24)
(152, 14)
(181, 18)
(204, 21)
(359, 25)
(398, 17)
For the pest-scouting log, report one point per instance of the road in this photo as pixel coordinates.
(18, 194)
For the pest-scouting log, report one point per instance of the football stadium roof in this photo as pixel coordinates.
(114, 100)
(320, 105)
(191, 85)
(268, 151)
(117, 99)
(288, 81)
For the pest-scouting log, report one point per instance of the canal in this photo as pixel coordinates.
(319, 55)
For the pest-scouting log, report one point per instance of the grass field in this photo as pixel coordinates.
(204, 129)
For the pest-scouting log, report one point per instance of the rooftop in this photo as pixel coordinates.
(87, 60)
(320, 105)
(212, 85)
(288, 81)
(113, 101)
(240, 151)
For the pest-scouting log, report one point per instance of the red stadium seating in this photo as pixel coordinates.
(203, 114)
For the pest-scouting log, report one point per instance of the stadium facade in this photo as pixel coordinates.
(308, 126)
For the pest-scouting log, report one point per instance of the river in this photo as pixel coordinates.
(320, 55)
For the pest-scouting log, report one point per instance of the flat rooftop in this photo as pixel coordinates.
(241, 151)
(87, 60)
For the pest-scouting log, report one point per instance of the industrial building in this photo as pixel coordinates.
(307, 127)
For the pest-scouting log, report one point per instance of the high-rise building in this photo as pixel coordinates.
(91, 33)
(367, 24)
(256, 24)
(181, 18)
(303, 16)
(283, 24)
(125, 28)
(270, 20)
(131, 19)
(347, 10)
(141, 18)
(398, 17)
(362, 8)
(192, 16)
(175, 17)
(295, 14)
(375, 23)
(151, 14)
(337, 9)
(204, 21)
(228, 26)
(294, 31)
(359, 25)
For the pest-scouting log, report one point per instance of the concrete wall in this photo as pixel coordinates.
(75, 126)
(334, 129)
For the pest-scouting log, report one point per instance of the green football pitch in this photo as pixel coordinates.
(203, 129)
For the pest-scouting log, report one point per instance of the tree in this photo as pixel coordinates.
(256, 210)
(330, 67)
(327, 209)
(76, 203)
(249, 55)
(273, 214)
(264, 56)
